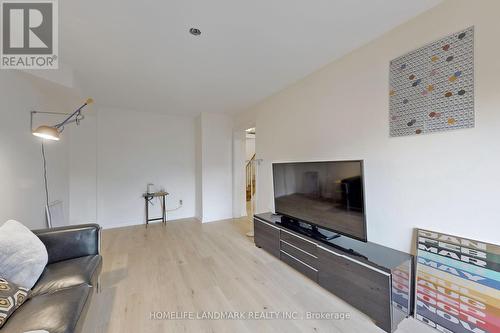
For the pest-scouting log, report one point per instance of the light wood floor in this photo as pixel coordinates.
(189, 266)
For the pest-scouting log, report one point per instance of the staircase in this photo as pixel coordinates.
(250, 178)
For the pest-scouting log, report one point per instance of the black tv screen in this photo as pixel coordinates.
(329, 195)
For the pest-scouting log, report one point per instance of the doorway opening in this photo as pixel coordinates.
(250, 171)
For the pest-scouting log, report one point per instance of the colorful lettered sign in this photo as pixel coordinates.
(457, 285)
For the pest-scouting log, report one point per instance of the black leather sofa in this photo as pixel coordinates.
(61, 297)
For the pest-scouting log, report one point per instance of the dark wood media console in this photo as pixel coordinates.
(373, 278)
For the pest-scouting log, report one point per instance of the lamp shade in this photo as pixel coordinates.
(47, 132)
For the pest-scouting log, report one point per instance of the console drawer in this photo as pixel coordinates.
(364, 287)
(300, 266)
(267, 237)
(300, 242)
(300, 254)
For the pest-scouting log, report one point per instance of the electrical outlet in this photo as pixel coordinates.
(180, 202)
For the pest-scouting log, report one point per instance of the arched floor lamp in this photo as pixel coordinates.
(53, 133)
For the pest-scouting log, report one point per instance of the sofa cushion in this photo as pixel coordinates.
(23, 256)
(70, 242)
(11, 297)
(58, 312)
(68, 273)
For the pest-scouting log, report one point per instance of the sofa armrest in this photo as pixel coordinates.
(70, 242)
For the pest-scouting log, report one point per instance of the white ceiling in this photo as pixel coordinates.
(138, 54)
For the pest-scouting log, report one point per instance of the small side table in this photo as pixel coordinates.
(148, 197)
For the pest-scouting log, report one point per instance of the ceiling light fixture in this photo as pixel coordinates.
(195, 32)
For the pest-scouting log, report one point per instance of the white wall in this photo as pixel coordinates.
(100, 168)
(239, 174)
(22, 195)
(447, 182)
(216, 167)
(198, 169)
(83, 169)
(137, 148)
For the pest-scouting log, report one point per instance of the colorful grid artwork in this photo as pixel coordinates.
(432, 88)
(457, 287)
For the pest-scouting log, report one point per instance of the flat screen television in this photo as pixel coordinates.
(326, 195)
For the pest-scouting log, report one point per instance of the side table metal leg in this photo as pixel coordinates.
(164, 211)
(147, 212)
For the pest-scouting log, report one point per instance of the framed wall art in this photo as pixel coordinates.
(432, 88)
